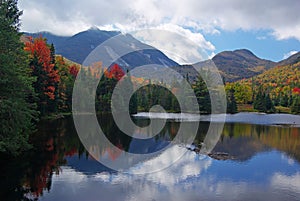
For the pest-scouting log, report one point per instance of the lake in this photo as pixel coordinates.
(252, 160)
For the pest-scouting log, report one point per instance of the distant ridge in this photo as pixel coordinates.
(239, 64)
(290, 60)
(233, 65)
(79, 46)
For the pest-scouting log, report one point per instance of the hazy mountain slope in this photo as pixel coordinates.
(239, 64)
(233, 65)
(291, 60)
(79, 46)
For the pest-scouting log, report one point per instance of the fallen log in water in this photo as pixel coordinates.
(214, 155)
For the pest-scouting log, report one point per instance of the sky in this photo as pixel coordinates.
(269, 28)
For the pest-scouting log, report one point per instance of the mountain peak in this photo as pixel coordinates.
(239, 54)
(241, 63)
(93, 28)
(77, 47)
(244, 52)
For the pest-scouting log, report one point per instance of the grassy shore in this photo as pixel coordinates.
(249, 108)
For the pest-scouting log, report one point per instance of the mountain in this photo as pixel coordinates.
(238, 64)
(290, 60)
(79, 46)
(233, 65)
(240, 58)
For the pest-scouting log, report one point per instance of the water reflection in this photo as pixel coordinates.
(265, 166)
(248, 140)
(193, 178)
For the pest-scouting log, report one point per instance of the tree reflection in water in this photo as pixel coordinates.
(56, 144)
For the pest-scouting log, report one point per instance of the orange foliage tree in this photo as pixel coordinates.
(43, 68)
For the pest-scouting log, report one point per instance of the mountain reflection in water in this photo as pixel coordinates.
(265, 166)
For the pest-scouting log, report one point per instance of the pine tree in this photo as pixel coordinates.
(133, 100)
(202, 95)
(231, 103)
(260, 101)
(284, 100)
(16, 113)
(53, 103)
(269, 104)
(295, 107)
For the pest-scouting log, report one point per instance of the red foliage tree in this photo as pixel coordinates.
(296, 90)
(40, 51)
(115, 72)
(42, 63)
(73, 70)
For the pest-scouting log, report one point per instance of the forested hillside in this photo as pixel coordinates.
(280, 84)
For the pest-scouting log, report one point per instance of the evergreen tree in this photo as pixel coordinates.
(295, 107)
(175, 86)
(186, 95)
(53, 103)
(260, 101)
(202, 95)
(231, 103)
(284, 100)
(276, 101)
(143, 98)
(290, 100)
(269, 104)
(263, 102)
(133, 100)
(103, 93)
(16, 113)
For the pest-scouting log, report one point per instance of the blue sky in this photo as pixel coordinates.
(261, 42)
(269, 28)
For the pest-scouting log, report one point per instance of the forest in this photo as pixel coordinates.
(36, 83)
(274, 90)
(41, 84)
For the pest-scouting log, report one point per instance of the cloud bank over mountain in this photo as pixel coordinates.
(190, 18)
(65, 17)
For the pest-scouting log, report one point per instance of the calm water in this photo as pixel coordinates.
(263, 164)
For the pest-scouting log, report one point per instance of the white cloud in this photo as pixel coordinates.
(189, 18)
(288, 159)
(212, 55)
(208, 15)
(282, 181)
(182, 45)
(190, 178)
(287, 55)
(191, 165)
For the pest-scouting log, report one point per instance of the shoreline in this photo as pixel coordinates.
(259, 118)
(276, 119)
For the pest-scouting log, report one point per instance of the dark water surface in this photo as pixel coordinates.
(263, 163)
